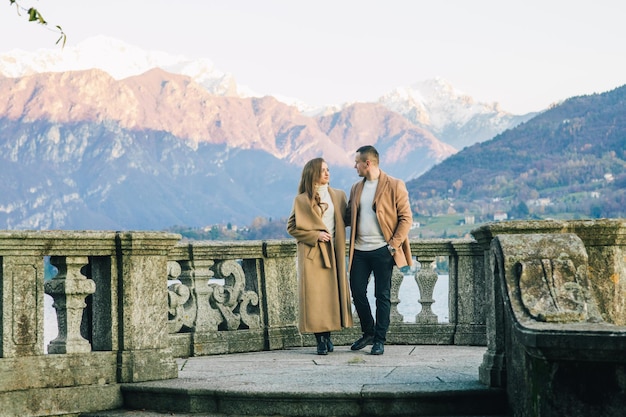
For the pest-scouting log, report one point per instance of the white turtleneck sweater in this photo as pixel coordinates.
(329, 215)
(370, 236)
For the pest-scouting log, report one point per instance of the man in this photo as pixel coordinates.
(379, 215)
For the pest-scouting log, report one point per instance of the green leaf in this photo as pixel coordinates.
(34, 15)
(62, 37)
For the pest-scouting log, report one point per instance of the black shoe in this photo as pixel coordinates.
(378, 348)
(362, 342)
(329, 345)
(322, 348)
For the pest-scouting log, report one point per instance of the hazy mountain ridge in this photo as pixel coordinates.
(99, 176)
(157, 100)
(407, 148)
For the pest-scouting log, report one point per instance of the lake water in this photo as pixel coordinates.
(409, 306)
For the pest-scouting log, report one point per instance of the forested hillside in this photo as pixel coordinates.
(569, 161)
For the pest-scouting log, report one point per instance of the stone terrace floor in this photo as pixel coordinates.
(271, 382)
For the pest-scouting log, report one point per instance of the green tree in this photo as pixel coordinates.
(35, 16)
(520, 211)
(596, 211)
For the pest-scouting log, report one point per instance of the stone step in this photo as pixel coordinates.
(393, 400)
(147, 413)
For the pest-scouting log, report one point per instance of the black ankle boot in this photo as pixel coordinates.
(322, 348)
(329, 344)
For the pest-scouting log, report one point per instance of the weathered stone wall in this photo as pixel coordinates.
(605, 242)
(555, 326)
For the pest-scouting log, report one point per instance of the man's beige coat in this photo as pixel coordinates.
(324, 294)
(393, 211)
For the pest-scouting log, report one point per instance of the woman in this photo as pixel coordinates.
(316, 221)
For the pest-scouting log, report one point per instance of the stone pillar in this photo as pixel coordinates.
(605, 242)
(144, 352)
(102, 270)
(492, 371)
(280, 287)
(469, 278)
(69, 289)
(22, 305)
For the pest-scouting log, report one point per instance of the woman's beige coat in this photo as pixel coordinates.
(324, 294)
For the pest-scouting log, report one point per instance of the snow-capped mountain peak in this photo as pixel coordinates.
(435, 103)
(450, 114)
(120, 60)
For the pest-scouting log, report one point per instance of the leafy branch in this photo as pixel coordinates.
(35, 16)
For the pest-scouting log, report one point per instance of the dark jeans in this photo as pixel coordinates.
(380, 262)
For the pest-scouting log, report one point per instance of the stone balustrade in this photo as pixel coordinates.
(128, 303)
(110, 302)
(228, 297)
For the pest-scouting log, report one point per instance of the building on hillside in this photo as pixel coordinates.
(539, 202)
(499, 216)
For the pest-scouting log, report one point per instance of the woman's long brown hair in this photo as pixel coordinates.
(311, 174)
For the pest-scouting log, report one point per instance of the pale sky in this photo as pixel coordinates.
(523, 54)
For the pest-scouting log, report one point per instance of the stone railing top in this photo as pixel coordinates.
(234, 249)
(217, 249)
(84, 242)
(437, 247)
(592, 232)
(53, 242)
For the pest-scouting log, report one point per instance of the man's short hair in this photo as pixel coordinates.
(368, 152)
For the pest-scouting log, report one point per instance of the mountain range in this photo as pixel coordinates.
(106, 136)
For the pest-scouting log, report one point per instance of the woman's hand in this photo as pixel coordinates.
(324, 237)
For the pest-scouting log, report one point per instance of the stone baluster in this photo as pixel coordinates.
(196, 275)
(396, 280)
(69, 290)
(426, 279)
